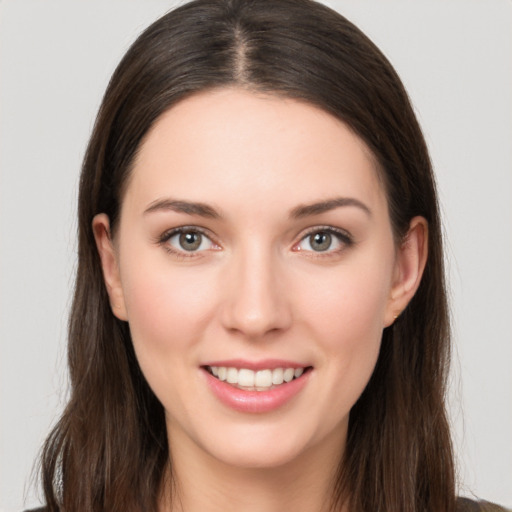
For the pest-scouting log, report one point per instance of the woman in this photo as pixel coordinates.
(260, 317)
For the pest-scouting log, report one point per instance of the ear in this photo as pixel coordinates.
(109, 264)
(410, 263)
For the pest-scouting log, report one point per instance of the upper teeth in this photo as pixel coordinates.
(261, 379)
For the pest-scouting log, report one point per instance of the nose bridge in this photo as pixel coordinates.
(256, 302)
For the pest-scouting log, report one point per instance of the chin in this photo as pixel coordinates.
(264, 448)
(256, 457)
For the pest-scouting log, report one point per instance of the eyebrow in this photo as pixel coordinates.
(301, 211)
(307, 210)
(188, 207)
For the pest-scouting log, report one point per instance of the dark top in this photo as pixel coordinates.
(463, 505)
(467, 505)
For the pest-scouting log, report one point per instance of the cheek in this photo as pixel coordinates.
(349, 303)
(346, 317)
(165, 305)
(168, 312)
(167, 309)
(353, 329)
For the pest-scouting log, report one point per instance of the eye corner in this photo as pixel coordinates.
(296, 246)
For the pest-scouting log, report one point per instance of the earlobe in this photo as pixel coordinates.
(109, 264)
(410, 264)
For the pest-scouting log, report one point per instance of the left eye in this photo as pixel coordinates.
(323, 241)
(190, 241)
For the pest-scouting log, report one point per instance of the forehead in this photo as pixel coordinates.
(227, 143)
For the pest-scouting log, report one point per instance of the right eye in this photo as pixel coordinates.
(187, 240)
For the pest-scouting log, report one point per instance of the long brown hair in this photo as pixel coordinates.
(109, 450)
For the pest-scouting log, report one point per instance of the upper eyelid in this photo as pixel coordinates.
(183, 229)
(328, 229)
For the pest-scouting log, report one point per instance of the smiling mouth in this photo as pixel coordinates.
(261, 380)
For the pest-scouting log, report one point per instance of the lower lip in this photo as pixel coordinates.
(256, 401)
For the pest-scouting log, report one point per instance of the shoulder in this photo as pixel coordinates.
(467, 505)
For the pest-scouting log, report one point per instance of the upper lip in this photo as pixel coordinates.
(263, 364)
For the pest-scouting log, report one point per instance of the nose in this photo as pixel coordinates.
(256, 299)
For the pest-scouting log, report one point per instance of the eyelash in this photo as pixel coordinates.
(182, 254)
(342, 236)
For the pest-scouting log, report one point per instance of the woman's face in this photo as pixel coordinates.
(255, 247)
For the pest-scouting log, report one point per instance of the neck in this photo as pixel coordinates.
(202, 483)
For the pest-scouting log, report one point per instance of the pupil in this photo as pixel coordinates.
(190, 241)
(321, 241)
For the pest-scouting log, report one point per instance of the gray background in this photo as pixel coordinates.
(55, 60)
